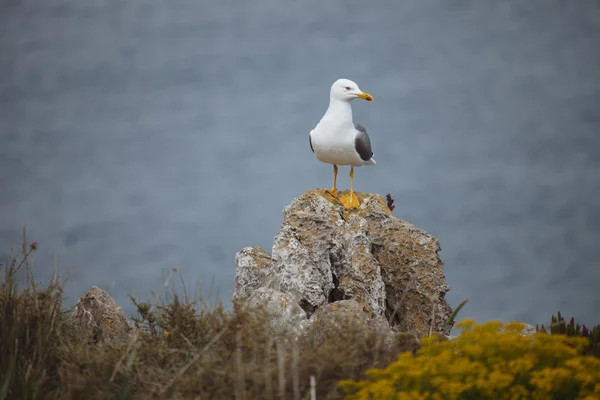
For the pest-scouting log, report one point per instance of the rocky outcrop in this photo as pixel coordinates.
(528, 329)
(364, 259)
(98, 319)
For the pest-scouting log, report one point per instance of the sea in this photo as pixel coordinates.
(142, 136)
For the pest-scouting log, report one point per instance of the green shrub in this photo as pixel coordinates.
(558, 325)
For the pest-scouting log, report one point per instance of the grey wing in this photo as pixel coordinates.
(362, 143)
(310, 142)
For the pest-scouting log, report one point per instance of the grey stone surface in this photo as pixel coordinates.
(253, 265)
(361, 259)
(284, 312)
(331, 317)
(528, 329)
(98, 319)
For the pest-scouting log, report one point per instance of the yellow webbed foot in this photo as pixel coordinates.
(349, 201)
(333, 192)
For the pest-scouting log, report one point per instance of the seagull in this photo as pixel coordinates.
(338, 140)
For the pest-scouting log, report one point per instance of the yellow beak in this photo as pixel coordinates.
(365, 96)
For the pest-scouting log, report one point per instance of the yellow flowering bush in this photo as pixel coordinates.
(484, 364)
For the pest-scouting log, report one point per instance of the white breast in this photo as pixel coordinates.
(333, 143)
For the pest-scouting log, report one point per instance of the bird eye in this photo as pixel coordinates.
(347, 87)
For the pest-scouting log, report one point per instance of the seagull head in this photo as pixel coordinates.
(346, 90)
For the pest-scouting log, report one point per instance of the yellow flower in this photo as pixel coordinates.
(484, 364)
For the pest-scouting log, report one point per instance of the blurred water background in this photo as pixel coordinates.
(141, 135)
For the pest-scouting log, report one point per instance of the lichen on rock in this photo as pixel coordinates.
(98, 319)
(325, 253)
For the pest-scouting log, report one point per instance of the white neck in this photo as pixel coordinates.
(340, 109)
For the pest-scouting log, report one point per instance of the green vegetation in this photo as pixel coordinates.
(558, 325)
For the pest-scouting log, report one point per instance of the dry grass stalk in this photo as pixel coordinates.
(267, 370)
(295, 375)
(240, 393)
(281, 369)
(192, 362)
(313, 388)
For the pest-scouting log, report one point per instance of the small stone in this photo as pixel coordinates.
(528, 329)
(98, 319)
(330, 317)
(253, 266)
(286, 315)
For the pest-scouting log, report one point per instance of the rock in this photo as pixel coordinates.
(253, 265)
(98, 319)
(321, 258)
(324, 254)
(348, 311)
(330, 317)
(285, 313)
(413, 274)
(528, 329)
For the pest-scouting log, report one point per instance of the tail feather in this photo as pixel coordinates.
(371, 161)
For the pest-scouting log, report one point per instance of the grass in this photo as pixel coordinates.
(187, 348)
(183, 348)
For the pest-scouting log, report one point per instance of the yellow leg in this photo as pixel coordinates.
(350, 200)
(333, 190)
